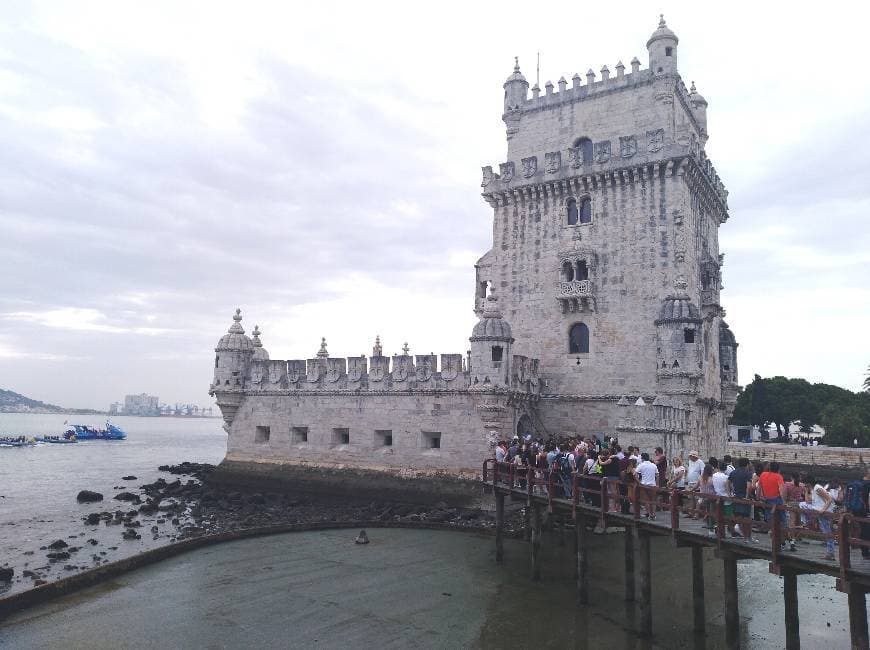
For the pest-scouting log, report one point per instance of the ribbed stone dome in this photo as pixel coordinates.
(678, 309)
(662, 32)
(726, 336)
(235, 338)
(517, 75)
(492, 325)
(260, 353)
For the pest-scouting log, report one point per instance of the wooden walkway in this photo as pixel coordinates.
(599, 503)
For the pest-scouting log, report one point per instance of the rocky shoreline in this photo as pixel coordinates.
(187, 505)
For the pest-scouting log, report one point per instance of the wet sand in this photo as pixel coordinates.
(431, 589)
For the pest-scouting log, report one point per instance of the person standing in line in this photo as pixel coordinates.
(722, 488)
(819, 500)
(741, 485)
(727, 465)
(678, 475)
(693, 471)
(705, 486)
(772, 487)
(794, 494)
(661, 462)
(648, 473)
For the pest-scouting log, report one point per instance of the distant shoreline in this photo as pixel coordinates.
(109, 415)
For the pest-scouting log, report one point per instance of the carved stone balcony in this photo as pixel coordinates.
(574, 289)
(575, 296)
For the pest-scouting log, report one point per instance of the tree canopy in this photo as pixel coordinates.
(781, 401)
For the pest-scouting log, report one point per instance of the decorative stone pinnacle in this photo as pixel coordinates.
(322, 353)
(619, 65)
(662, 21)
(377, 351)
(516, 64)
(693, 90)
(236, 327)
(406, 349)
(256, 334)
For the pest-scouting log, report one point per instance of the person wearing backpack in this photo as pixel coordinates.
(856, 502)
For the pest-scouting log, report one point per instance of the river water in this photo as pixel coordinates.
(488, 606)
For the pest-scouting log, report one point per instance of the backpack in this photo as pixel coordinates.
(856, 497)
(564, 464)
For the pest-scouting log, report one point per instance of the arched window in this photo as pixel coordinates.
(571, 204)
(567, 272)
(585, 145)
(578, 339)
(582, 270)
(585, 211)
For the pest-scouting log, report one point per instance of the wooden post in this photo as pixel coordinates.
(792, 620)
(858, 618)
(499, 527)
(536, 542)
(582, 560)
(699, 615)
(732, 611)
(645, 583)
(629, 562)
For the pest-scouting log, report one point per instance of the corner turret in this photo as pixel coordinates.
(662, 47)
(233, 355)
(491, 342)
(516, 90)
(699, 106)
(260, 353)
(678, 334)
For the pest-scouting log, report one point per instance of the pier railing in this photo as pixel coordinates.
(609, 496)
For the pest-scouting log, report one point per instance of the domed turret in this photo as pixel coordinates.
(260, 353)
(727, 354)
(662, 47)
(491, 341)
(516, 89)
(699, 105)
(678, 334)
(234, 351)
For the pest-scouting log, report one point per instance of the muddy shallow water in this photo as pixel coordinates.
(426, 588)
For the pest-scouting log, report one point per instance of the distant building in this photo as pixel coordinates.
(141, 404)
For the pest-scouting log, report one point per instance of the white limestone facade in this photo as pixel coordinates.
(599, 301)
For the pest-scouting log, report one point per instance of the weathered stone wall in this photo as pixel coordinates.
(411, 419)
(827, 457)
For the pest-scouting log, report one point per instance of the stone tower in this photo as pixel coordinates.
(606, 256)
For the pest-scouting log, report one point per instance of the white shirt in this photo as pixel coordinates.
(729, 469)
(694, 469)
(818, 501)
(647, 472)
(679, 476)
(720, 484)
(590, 463)
(499, 454)
(635, 457)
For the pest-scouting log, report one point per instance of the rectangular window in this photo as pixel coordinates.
(341, 436)
(383, 438)
(497, 352)
(262, 434)
(688, 335)
(299, 435)
(432, 440)
(669, 51)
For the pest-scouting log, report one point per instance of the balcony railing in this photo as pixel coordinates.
(574, 289)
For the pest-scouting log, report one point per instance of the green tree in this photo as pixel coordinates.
(867, 381)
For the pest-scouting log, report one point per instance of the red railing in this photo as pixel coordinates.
(611, 496)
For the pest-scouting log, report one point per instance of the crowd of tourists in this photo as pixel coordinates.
(749, 492)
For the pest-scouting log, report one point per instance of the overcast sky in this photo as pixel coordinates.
(163, 163)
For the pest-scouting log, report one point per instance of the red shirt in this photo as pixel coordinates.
(769, 483)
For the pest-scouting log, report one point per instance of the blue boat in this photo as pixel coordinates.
(85, 432)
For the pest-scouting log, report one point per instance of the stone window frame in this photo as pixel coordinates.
(299, 435)
(581, 143)
(384, 438)
(340, 436)
(579, 202)
(431, 440)
(262, 434)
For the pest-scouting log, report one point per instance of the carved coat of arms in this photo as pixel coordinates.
(356, 368)
(530, 166)
(627, 146)
(277, 371)
(553, 161)
(257, 373)
(313, 372)
(656, 140)
(575, 157)
(506, 170)
(450, 366)
(295, 370)
(602, 151)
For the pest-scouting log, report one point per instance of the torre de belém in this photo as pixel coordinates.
(598, 303)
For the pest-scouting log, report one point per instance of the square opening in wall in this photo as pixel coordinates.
(299, 435)
(688, 335)
(432, 440)
(262, 434)
(497, 353)
(383, 438)
(341, 436)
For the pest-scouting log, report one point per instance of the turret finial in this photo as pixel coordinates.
(377, 350)
(406, 349)
(322, 353)
(662, 21)
(693, 90)
(236, 327)
(516, 64)
(256, 334)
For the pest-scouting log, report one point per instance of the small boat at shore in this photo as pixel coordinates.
(84, 432)
(58, 440)
(17, 441)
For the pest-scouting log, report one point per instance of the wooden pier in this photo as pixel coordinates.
(594, 502)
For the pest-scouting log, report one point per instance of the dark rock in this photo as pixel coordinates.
(73, 549)
(128, 478)
(39, 582)
(132, 524)
(57, 544)
(92, 519)
(93, 542)
(69, 567)
(58, 555)
(28, 552)
(6, 574)
(28, 574)
(127, 496)
(131, 534)
(87, 496)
